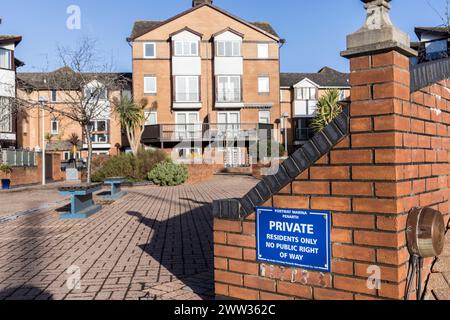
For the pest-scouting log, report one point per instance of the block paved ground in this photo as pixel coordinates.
(32, 197)
(155, 243)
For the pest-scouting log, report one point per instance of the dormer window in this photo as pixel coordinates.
(5, 59)
(184, 48)
(227, 48)
(95, 92)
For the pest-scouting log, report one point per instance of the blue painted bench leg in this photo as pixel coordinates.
(81, 207)
(116, 192)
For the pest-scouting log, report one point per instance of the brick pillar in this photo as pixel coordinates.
(380, 92)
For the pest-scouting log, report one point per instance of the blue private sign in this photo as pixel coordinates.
(294, 238)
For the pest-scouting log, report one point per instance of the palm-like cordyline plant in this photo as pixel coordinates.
(328, 108)
(131, 117)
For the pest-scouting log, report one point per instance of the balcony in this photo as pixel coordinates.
(187, 100)
(229, 98)
(205, 132)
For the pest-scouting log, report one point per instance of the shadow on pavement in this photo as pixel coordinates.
(183, 246)
(25, 293)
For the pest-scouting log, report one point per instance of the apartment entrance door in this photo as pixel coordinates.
(234, 157)
(229, 123)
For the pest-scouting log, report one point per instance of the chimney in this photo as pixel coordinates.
(196, 3)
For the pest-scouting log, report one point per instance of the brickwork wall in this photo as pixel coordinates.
(22, 176)
(395, 158)
(202, 172)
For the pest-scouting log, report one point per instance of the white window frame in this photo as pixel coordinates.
(147, 117)
(144, 48)
(263, 50)
(264, 114)
(145, 84)
(261, 87)
(66, 158)
(183, 53)
(301, 96)
(9, 61)
(188, 130)
(234, 53)
(53, 131)
(229, 77)
(187, 82)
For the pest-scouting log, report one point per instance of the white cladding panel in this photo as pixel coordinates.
(7, 83)
(8, 46)
(186, 66)
(228, 36)
(229, 65)
(185, 36)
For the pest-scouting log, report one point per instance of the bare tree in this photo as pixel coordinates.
(443, 16)
(83, 85)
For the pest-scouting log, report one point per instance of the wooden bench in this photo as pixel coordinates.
(116, 188)
(81, 200)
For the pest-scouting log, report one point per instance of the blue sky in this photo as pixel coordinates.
(315, 30)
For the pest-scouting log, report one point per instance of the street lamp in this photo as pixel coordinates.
(285, 116)
(42, 102)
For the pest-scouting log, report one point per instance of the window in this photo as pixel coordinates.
(67, 155)
(55, 126)
(228, 48)
(5, 59)
(264, 117)
(151, 118)
(186, 48)
(263, 51)
(306, 94)
(54, 96)
(264, 85)
(303, 132)
(5, 114)
(94, 92)
(149, 50)
(150, 85)
(229, 89)
(99, 130)
(188, 153)
(229, 122)
(187, 89)
(188, 126)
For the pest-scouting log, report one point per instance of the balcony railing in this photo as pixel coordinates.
(206, 132)
(229, 96)
(184, 97)
(18, 158)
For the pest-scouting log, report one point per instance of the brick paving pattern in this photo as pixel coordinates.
(439, 282)
(155, 243)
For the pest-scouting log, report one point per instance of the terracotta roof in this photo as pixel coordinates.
(142, 27)
(63, 145)
(39, 80)
(325, 77)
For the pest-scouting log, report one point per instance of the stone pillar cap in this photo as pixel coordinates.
(378, 34)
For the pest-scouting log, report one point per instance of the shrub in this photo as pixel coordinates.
(168, 173)
(328, 108)
(271, 147)
(128, 166)
(145, 161)
(120, 166)
(5, 168)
